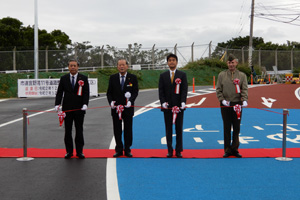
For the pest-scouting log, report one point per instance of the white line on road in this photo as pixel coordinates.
(16, 120)
(297, 93)
(35, 114)
(112, 187)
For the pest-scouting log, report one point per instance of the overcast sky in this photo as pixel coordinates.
(160, 22)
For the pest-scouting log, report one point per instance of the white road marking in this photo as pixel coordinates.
(268, 102)
(198, 139)
(39, 113)
(1, 100)
(112, 187)
(258, 128)
(16, 120)
(297, 93)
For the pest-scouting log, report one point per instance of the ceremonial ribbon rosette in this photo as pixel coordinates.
(80, 83)
(61, 117)
(120, 109)
(236, 82)
(238, 108)
(177, 88)
(127, 96)
(175, 111)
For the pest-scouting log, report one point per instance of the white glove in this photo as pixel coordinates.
(182, 105)
(112, 105)
(226, 103)
(245, 104)
(56, 108)
(165, 105)
(128, 105)
(84, 107)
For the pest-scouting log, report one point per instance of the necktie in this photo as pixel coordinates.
(73, 82)
(122, 82)
(172, 78)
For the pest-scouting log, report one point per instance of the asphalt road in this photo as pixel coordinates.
(56, 178)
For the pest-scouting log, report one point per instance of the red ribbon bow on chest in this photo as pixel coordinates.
(236, 82)
(81, 84)
(177, 87)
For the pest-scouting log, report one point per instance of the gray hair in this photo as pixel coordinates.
(122, 59)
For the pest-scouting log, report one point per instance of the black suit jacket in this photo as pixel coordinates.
(114, 92)
(167, 90)
(69, 98)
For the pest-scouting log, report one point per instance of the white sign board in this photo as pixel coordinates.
(47, 87)
(136, 67)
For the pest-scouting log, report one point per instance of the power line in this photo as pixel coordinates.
(283, 13)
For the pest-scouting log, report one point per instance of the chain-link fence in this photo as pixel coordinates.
(146, 58)
(283, 59)
(100, 57)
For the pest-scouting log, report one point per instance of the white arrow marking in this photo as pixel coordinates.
(199, 127)
(198, 104)
(268, 102)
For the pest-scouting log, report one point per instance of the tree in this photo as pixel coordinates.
(14, 34)
(138, 55)
(267, 51)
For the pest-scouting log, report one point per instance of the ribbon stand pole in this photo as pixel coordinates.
(25, 158)
(284, 158)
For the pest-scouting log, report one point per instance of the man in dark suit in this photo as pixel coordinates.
(173, 89)
(122, 92)
(74, 92)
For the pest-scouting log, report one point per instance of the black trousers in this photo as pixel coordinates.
(230, 120)
(117, 125)
(78, 118)
(168, 116)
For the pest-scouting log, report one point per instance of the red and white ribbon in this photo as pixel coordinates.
(80, 83)
(236, 82)
(120, 109)
(61, 117)
(238, 108)
(175, 111)
(177, 87)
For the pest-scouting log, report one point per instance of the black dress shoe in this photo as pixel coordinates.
(118, 154)
(226, 155)
(237, 154)
(128, 154)
(170, 154)
(179, 155)
(80, 155)
(68, 155)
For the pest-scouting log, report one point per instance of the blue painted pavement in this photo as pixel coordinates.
(246, 178)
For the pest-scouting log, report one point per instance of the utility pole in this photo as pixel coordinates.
(251, 35)
(36, 41)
